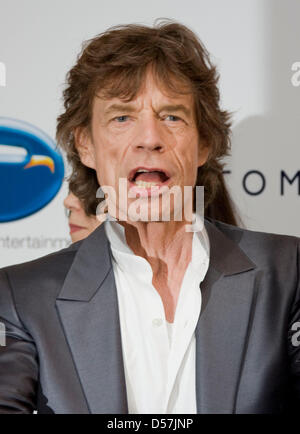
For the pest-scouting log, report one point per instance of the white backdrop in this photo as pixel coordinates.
(255, 44)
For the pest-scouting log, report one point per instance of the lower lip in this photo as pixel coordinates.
(74, 228)
(152, 191)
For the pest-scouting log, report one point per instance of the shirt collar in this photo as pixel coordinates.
(126, 259)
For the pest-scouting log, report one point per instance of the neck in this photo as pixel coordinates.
(163, 244)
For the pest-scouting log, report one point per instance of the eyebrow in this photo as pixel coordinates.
(175, 108)
(120, 107)
(127, 108)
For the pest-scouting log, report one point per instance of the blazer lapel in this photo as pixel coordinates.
(88, 309)
(228, 301)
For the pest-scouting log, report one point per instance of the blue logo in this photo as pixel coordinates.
(31, 169)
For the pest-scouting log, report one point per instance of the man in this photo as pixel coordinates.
(144, 316)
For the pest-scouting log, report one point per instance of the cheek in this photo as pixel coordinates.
(189, 159)
(90, 224)
(106, 164)
(110, 156)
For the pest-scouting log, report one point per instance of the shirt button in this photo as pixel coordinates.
(157, 322)
(186, 323)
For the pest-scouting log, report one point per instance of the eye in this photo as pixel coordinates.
(67, 212)
(121, 119)
(172, 118)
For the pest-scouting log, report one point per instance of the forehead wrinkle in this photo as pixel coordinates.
(129, 108)
(141, 99)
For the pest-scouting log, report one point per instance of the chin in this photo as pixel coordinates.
(155, 213)
(79, 235)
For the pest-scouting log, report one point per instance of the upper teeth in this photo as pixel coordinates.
(142, 170)
(146, 184)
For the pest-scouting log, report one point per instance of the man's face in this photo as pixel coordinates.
(155, 134)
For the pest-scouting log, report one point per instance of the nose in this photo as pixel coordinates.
(72, 202)
(150, 135)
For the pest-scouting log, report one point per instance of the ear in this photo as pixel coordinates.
(85, 147)
(203, 154)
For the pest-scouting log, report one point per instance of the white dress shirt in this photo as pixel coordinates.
(159, 357)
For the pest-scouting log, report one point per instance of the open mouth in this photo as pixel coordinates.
(148, 177)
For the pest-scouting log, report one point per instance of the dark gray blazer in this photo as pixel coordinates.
(63, 350)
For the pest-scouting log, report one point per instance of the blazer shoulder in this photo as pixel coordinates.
(279, 253)
(237, 233)
(38, 272)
